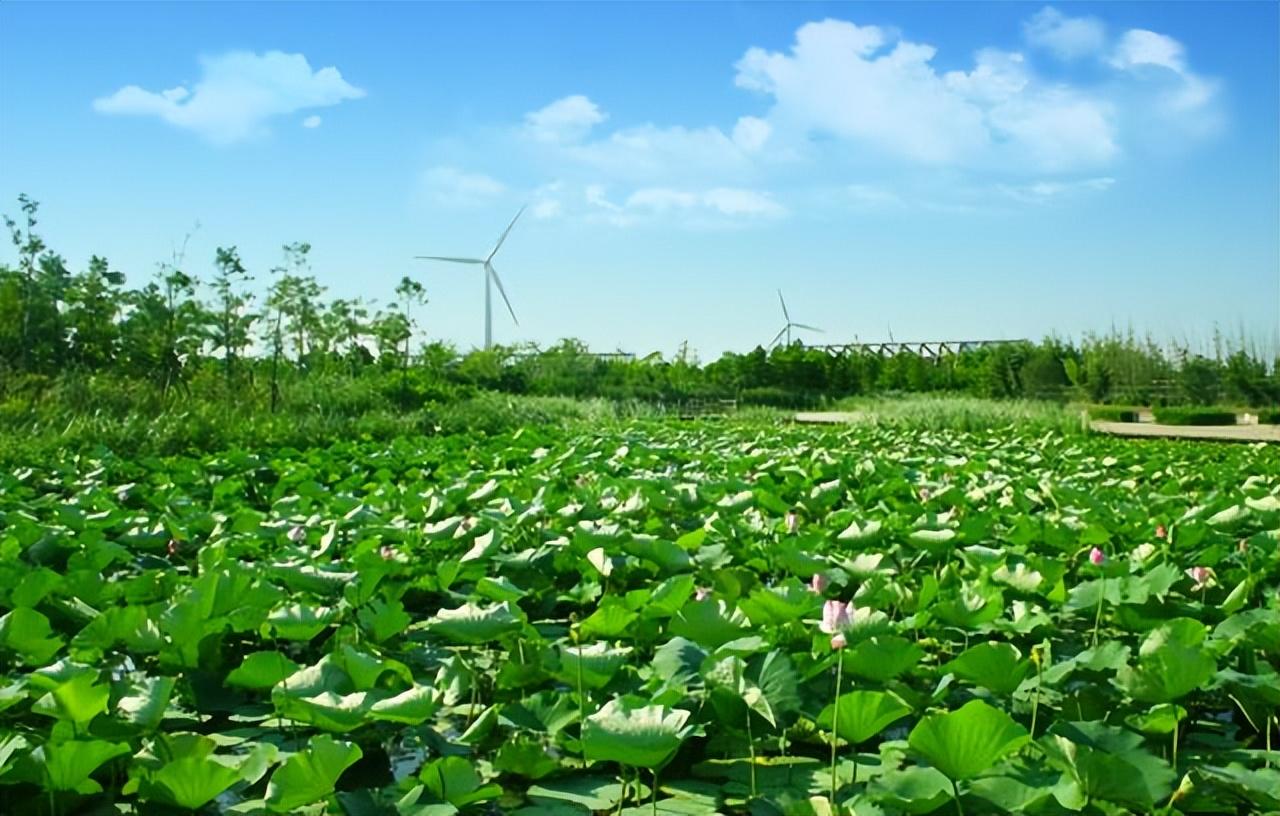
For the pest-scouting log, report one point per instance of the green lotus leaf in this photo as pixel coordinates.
(1109, 763)
(642, 736)
(859, 715)
(595, 664)
(966, 742)
(310, 775)
(999, 667)
(261, 670)
(473, 624)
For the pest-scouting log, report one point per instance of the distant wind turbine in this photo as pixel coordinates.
(490, 277)
(790, 324)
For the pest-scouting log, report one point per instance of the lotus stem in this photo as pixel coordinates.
(1097, 619)
(955, 794)
(653, 793)
(1175, 743)
(751, 745)
(835, 724)
(1035, 701)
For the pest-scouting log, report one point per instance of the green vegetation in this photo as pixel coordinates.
(645, 617)
(1114, 413)
(1178, 415)
(83, 356)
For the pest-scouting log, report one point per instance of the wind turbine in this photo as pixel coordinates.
(790, 324)
(490, 277)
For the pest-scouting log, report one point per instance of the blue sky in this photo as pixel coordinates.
(932, 170)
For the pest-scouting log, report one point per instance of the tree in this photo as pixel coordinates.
(233, 321)
(29, 246)
(93, 309)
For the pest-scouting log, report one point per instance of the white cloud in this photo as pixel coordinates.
(237, 94)
(311, 122)
(564, 120)
(751, 132)
(450, 185)
(1140, 47)
(1041, 192)
(874, 196)
(734, 201)
(729, 201)
(881, 96)
(845, 80)
(1066, 37)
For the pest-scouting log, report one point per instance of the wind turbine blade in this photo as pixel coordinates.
(489, 267)
(804, 326)
(777, 337)
(505, 233)
(785, 313)
(451, 260)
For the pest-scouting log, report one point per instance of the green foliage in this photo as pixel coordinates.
(1195, 416)
(514, 621)
(1114, 413)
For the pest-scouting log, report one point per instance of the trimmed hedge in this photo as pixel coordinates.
(1195, 416)
(1269, 417)
(1114, 413)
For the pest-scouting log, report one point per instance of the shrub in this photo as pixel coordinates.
(1114, 413)
(1195, 416)
(1270, 416)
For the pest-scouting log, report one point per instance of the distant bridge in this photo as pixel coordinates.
(929, 350)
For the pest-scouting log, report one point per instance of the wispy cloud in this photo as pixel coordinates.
(450, 185)
(237, 94)
(1066, 37)
(564, 120)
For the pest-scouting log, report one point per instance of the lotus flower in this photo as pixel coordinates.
(173, 547)
(835, 617)
(296, 533)
(1097, 557)
(387, 552)
(818, 583)
(838, 641)
(793, 522)
(1161, 532)
(1203, 576)
(924, 494)
(702, 593)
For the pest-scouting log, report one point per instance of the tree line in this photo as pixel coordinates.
(174, 331)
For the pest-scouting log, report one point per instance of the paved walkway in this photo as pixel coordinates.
(1221, 433)
(1151, 430)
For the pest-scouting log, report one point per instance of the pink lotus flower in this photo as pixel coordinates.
(1097, 557)
(924, 494)
(838, 641)
(793, 522)
(173, 547)
(818, 583)
(1161, 532)
(835, 617)
(702, 593)
(1203, 576)
(388, 552)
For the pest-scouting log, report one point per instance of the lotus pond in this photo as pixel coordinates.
(658, 619)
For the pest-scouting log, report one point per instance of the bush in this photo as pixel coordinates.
(1269, 417)
(1195, 416)
(775, 397)
(1114, 413)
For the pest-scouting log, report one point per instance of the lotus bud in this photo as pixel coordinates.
(702, 593)
(838, 641)
(1097, 557)
(818, 583)
(1161, 532)
(793, 522)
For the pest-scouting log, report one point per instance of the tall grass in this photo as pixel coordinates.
(961, 413)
